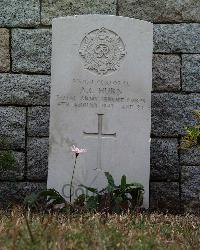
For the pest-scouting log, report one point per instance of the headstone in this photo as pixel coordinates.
(100, 101)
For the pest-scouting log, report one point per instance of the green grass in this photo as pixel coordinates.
(95, 231)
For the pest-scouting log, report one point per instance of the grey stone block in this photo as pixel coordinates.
(165, 196)
(161, 10)
(38, 121)
(31, 50)
(21, 89)
(57, 8)
(164, 159)
(4, 50)
(171, 113)
(190, 186)
(166, 73)
(37, 157)
(15, 192)
(12, 165)
(191, 73)
(177, 38)
(12, 127)
(21, 13)
(190, 156)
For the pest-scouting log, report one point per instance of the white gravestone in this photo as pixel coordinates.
(100, 101)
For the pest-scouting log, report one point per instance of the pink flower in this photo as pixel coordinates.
(77, 150)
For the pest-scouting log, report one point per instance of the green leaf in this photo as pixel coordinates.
(111, 183)
(52, 196)
(123, 183)
(193, 131)
(92, 203)
(80, 199)
(31, 200)
(93, 190)
(110, 179)
(135, 185)
(102, 190)
(49, 192)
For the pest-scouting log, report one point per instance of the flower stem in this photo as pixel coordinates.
(28, 227)
(70, 196)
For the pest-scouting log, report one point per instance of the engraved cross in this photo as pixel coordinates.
(100, 135)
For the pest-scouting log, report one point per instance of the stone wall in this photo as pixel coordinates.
(25, 51)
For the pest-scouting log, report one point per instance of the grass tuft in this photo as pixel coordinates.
(97, 231)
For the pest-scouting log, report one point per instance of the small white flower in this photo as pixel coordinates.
(78, 150)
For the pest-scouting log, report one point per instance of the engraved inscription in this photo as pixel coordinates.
(97, 94)
(101, 51)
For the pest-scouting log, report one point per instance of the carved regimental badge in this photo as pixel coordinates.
(102, 51)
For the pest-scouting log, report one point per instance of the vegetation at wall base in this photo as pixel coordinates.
(111, 199)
